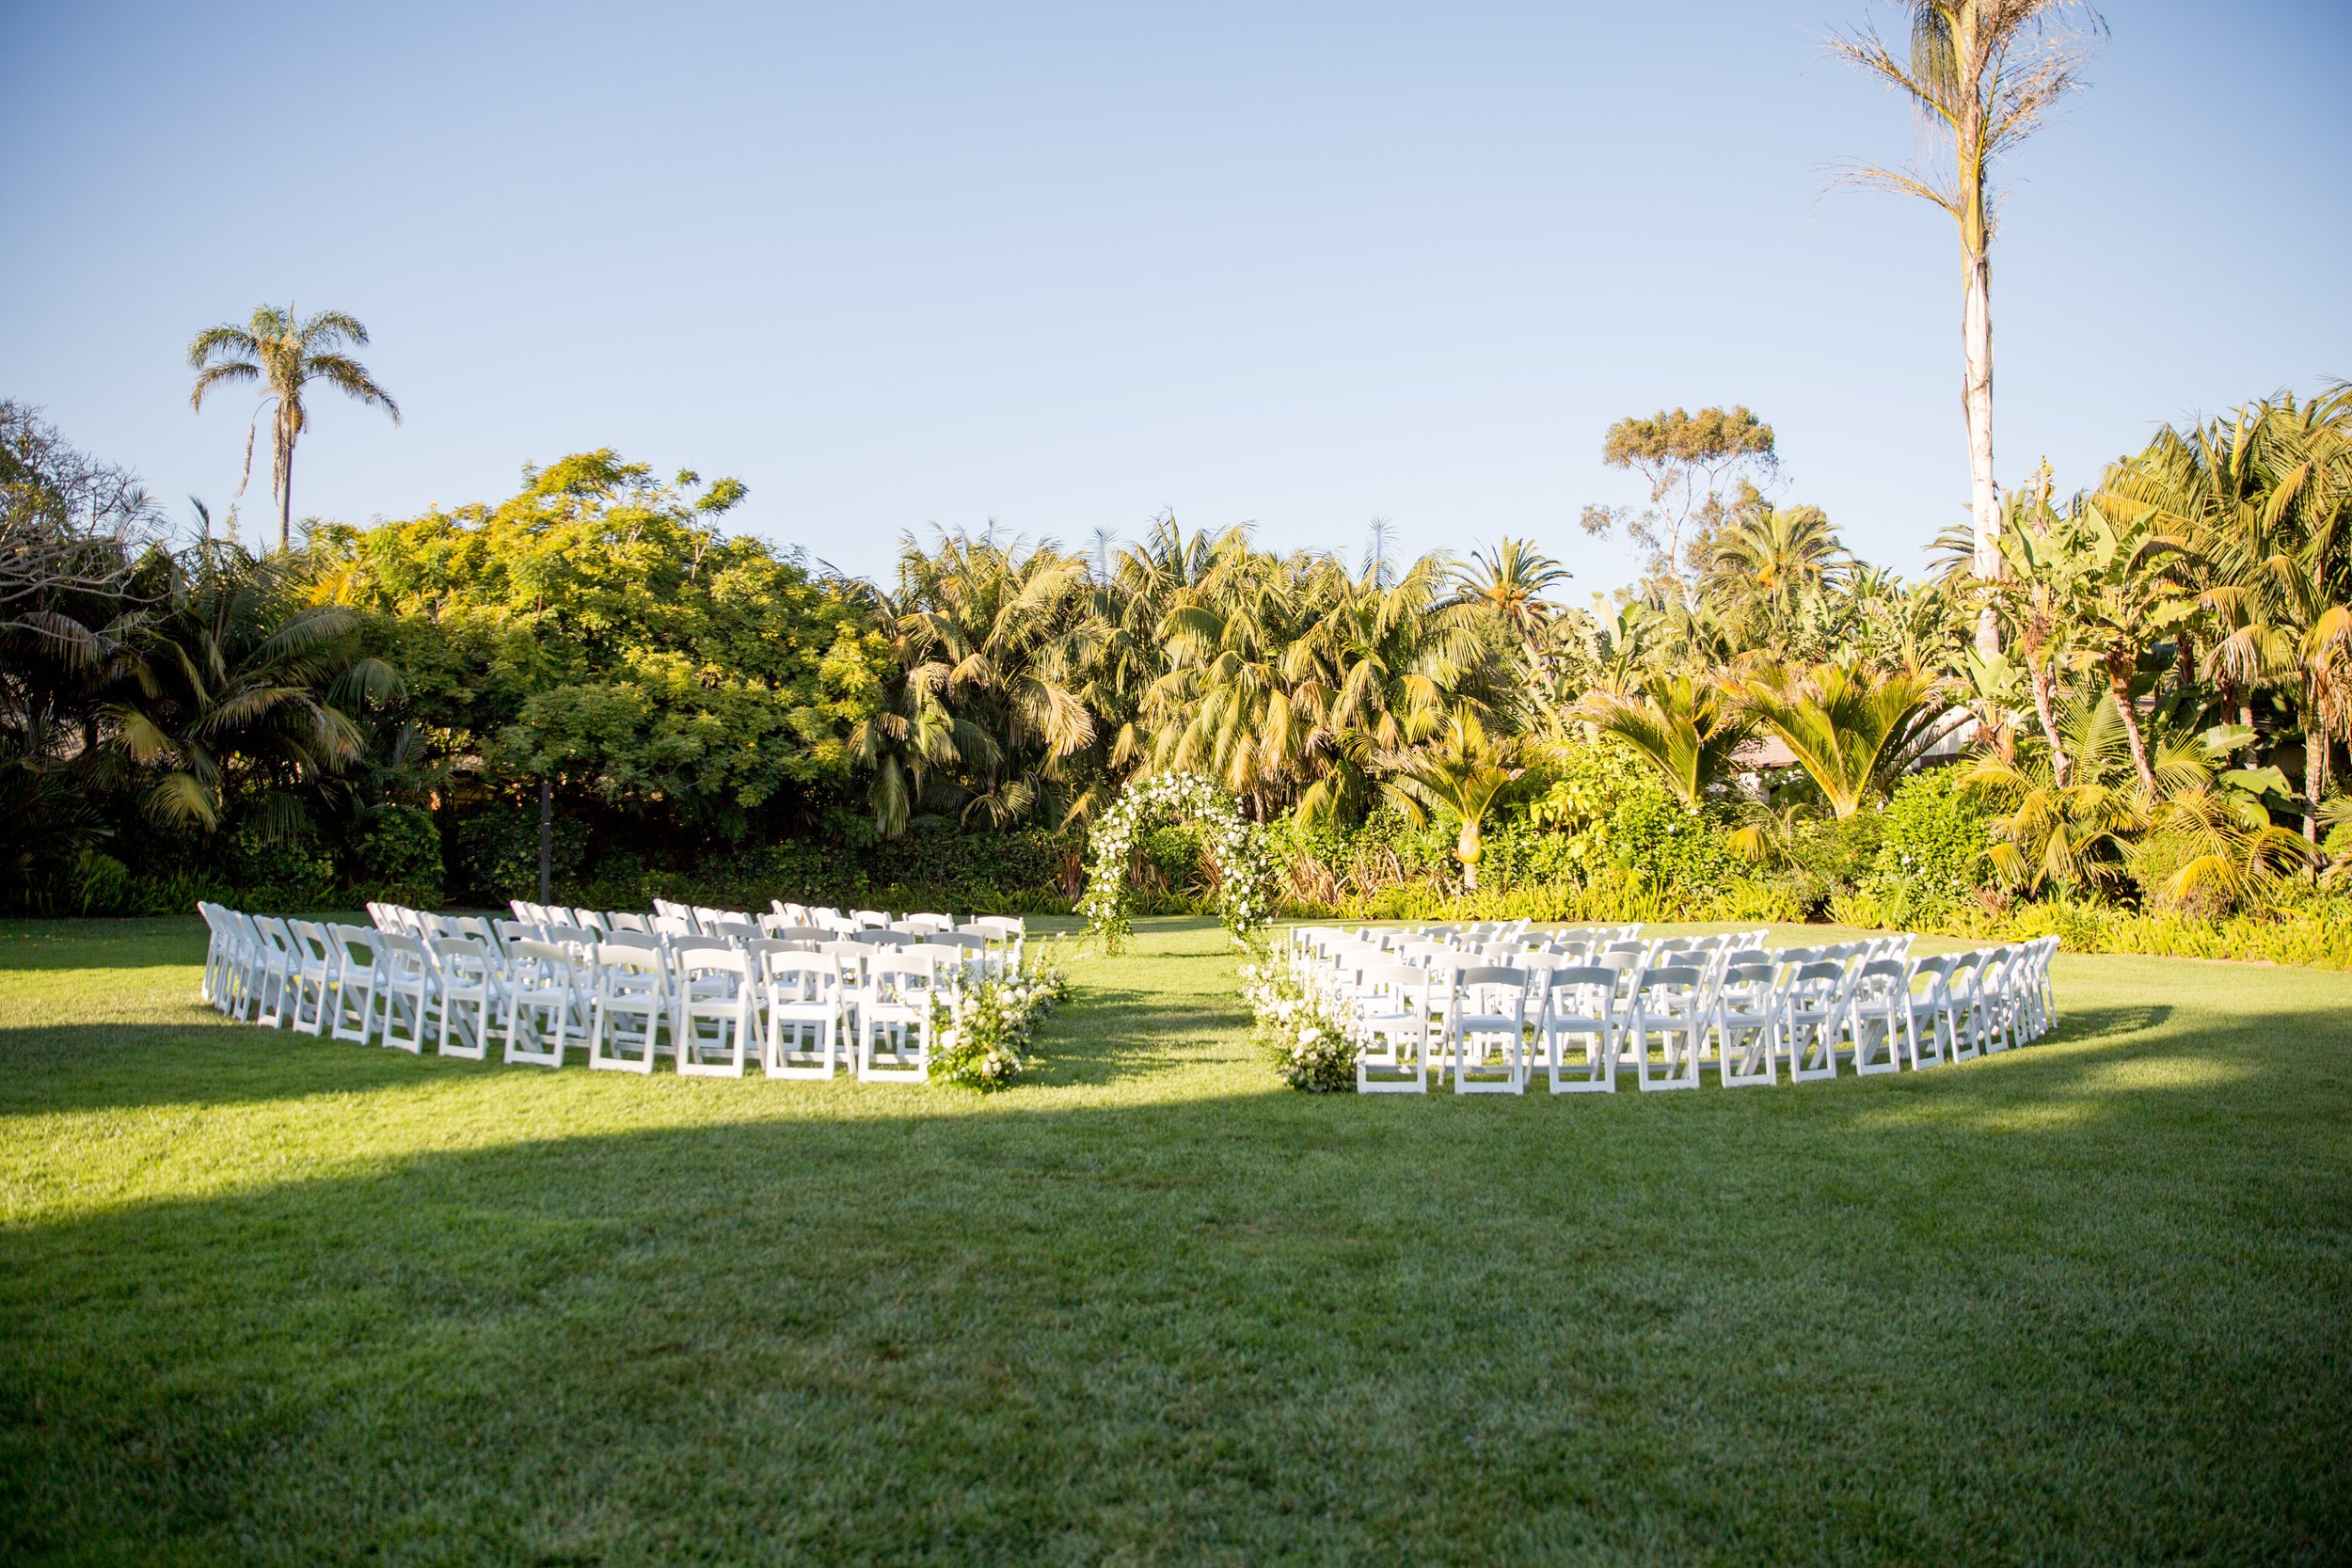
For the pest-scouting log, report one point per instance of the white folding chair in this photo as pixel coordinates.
(473, 994)
(632, 1007)
(1877, 1015)
(1579, 1017)
(1747, 1021)
(1391, 1024)
(549, 995)
(894, 1007)
(714, 1011)
(408, 988)
(359, 979)
(804, 1008)
(1488, 1009)
(1669, 1004)
(311, 974)
(1812, 1007)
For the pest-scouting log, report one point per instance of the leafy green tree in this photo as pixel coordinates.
(599, 634)
(285, 354)
(1981, 75)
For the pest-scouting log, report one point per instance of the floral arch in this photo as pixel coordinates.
(1245, 872)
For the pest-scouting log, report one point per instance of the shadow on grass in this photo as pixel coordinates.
(985, 1337)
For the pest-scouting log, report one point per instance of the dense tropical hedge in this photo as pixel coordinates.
(592, 681)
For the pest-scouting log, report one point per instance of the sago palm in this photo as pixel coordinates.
(1682, 725)
(1851, 730)
(285, 354)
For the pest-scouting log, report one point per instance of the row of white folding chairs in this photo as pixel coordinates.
(799, 1008)
(1450, 1017)
(1695, 997)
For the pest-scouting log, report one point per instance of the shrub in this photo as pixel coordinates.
(397, 857)
(1934, 845)
(294, 872)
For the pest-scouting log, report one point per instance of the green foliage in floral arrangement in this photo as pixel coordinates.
(1245, 871)
(1934, 842)
(1306, 1037)
(979, 1036)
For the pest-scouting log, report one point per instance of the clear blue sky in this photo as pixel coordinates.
(1066, 266)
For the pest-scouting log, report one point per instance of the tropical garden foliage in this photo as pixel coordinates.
(592, 684)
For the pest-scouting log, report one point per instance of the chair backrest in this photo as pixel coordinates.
(621, 920)
(1671, 977)
(672, 925)
(625, 965)
(1582, 988)
(468, 960)
(357, 946)
(736, 930)
(594, 920)
(1489, 977)
(694, 959)
(642, 941)
(310, 942)
(875, 936)
(542, 965)
(798, 977)
(404, 955)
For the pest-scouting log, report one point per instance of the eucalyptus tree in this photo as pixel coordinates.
(1981, 77)
(1686, 458)
(284, 353)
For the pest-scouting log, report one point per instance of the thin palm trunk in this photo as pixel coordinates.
(2119, 683)
(284, 480)
(1976, 397)
(2043, 712)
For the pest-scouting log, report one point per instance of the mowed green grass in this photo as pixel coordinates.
(265, 1299)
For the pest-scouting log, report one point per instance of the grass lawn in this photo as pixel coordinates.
(266, 1299)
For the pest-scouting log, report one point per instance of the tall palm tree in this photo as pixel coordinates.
(1464, 769)
(1513, 579)
(285, 354)
(1981, 75)
(1682, 725)
(1851, 730)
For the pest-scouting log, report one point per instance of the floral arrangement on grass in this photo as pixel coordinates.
(1308, 1037)
(978, 1036)
(1246, 884)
